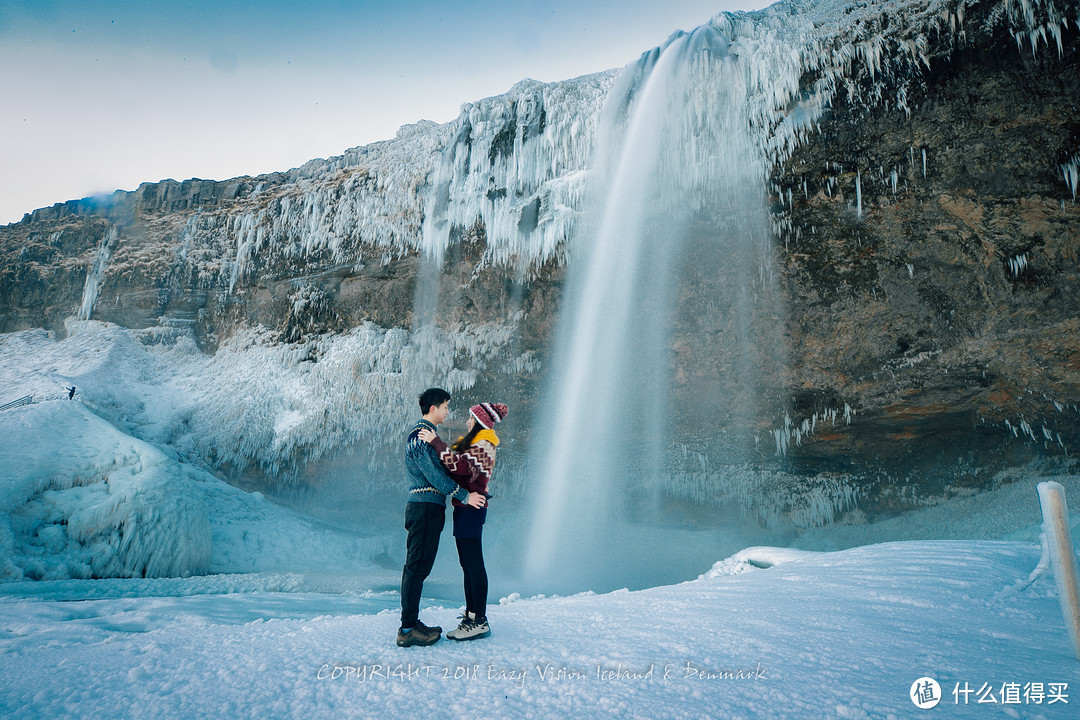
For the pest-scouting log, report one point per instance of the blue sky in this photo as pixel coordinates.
(96, 96)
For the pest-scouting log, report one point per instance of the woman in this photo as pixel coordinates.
(471, 462)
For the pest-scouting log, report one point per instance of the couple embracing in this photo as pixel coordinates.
(437, 471)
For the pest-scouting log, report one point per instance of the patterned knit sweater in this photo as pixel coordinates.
(428, 479)
(473, 468)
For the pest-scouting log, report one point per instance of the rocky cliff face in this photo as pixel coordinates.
(926, 232)
(931, 266)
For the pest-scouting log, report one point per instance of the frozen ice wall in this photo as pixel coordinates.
(516, 164)
(255, 404)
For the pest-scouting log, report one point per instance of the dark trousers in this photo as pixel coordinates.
(424, 521)
(471, 555)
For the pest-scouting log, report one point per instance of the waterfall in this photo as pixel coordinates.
(673, 260)
(95, 274)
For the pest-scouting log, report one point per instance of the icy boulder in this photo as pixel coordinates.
(79, 498)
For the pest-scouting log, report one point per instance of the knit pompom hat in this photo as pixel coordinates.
(487, 414)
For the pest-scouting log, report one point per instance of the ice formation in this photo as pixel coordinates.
(770, 499)
(256, 403)
(517, 164)
(1070, 171)
(95, 273)
(275, 408)
(1018, 264)
(789, 433)
(1045, 437)
(80, 499)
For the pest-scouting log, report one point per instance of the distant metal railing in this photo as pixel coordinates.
(18, 403)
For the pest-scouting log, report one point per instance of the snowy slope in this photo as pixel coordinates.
(842, 634)
(81, 499)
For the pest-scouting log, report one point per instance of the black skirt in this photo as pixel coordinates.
(469, 521)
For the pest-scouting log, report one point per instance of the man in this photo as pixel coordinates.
(425, 515)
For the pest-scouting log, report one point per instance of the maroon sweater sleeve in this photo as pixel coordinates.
(464, 468)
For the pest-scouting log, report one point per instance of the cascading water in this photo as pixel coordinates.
(672, 271)
(95, 274)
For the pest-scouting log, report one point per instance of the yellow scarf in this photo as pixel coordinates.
(484, 434)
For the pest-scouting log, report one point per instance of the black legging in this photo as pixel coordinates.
(471, 556)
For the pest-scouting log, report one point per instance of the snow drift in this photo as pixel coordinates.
(80, 499)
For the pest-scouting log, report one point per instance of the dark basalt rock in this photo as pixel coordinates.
(950, 306)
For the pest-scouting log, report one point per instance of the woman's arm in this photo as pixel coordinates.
(466, 468)
(472, 469)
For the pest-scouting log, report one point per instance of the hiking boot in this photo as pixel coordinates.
(463, 621)
(421, 635)
(471, 628)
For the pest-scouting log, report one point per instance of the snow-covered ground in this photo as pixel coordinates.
(842, 634)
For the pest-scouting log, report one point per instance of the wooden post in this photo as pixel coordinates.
(1062, 556)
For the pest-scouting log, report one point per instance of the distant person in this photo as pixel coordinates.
(425, 516)
(71, 392)
(471, 462)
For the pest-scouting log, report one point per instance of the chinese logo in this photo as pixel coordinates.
(925, 693)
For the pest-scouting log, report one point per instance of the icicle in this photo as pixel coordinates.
(1071, 171)
(858, 192)
(1018, 264)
